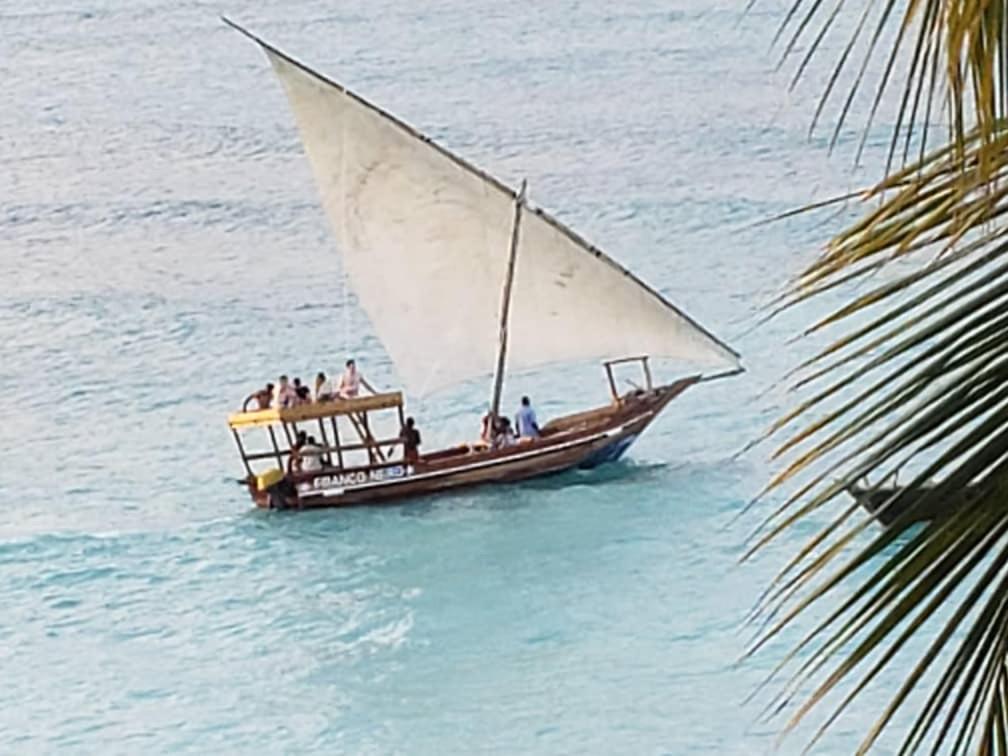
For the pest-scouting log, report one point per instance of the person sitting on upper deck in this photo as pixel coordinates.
(323, 388)
(263, 398)
(303, 396)
(351, 381)
(311, 455)
(525, 421)
(410, 437)
(284, 396)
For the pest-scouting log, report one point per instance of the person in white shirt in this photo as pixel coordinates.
(351, 381)
(323, 388)
(311, 456)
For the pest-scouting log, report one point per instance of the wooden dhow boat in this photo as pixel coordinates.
(436, 248)
(890, 503)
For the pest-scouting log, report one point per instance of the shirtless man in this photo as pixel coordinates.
(411, 441)
(284, 396)
(263, 398)
(350, 382)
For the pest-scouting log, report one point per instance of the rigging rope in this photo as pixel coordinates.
(343, 271)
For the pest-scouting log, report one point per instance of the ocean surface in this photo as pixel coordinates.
(162, 253)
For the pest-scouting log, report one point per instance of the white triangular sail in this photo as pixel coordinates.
(424, 238)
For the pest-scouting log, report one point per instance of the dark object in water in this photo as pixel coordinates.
(877, 500)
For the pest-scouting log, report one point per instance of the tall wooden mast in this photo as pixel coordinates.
(498, 384)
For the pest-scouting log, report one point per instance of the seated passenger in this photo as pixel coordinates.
(295, 460)
(486, 429)
(303, 396)
(284, 396)
(503, 435)
(263, 397)
(350, 382)
(311, 455)
(483, 442)
(323, 388)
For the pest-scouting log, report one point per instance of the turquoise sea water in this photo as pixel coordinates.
(162, 253)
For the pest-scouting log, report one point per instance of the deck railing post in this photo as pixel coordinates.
(647, 374)
(612, 382)
(276, 447)
(241, 451)
(337, 442)
(325, 438)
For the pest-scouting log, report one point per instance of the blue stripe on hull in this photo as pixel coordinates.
(609, 453)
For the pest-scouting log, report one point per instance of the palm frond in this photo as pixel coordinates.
(955, 53)
(919, 382)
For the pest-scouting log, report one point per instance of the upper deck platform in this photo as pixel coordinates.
(317, 410)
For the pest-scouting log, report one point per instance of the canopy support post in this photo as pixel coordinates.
(337, 442)
(241, 451)
(506, 304)
(325, 440)
(276, 447)
(360, 424)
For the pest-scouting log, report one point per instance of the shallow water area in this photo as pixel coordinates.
(163, 253)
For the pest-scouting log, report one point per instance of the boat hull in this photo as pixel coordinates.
(585, 441)
(874, 502)
(882, 504)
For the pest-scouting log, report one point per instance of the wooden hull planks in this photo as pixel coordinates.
(584, 440)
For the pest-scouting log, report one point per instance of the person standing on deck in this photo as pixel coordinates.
(411, 442)
(350, 382)
(525, 420)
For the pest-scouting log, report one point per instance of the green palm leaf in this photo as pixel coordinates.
(918, 382)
